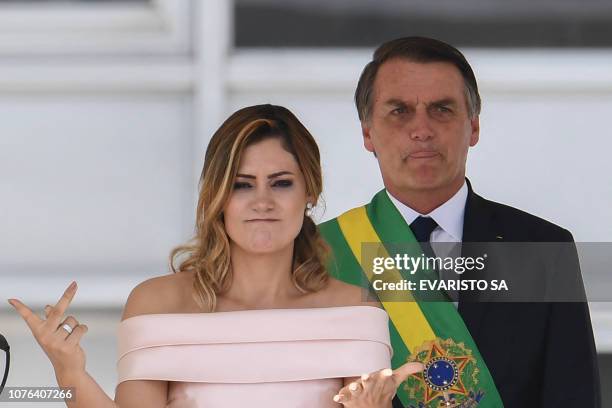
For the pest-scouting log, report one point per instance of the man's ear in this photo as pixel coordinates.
(367, 137)
(475, 135)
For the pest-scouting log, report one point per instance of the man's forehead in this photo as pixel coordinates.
(402, 72)
(411, 82)
(409, 65)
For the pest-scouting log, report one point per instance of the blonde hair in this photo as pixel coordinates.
(208, 253)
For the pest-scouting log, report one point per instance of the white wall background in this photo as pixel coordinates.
(106, 112)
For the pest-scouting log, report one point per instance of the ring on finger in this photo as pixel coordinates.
(67, 327)
(354, 388)
(69, 324)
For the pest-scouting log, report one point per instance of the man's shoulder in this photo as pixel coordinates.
(334, 220)
(330, 228)
(520, 224)
(332, 223)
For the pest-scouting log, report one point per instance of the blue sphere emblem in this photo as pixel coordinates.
(441, 373)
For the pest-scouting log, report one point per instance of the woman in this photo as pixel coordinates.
(278, 330)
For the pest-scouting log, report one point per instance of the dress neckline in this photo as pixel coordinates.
(252, 311)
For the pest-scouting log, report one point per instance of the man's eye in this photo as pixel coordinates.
(240, 185)
(283, 183)
(398, 111)
(442, 109)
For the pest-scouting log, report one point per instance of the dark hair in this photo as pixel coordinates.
(417, 49)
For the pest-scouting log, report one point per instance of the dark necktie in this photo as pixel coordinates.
(422, 228)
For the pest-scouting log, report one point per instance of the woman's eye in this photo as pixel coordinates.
(283, 183)
(239, 185)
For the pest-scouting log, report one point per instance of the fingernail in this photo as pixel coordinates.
(72, 285)
(336, 398)
(364, 377)
(353, 387)
(11, 302)
(387, 372)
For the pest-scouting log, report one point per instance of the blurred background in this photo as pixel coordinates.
(106, 108)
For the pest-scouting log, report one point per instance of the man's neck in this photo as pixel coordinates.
(425, 201)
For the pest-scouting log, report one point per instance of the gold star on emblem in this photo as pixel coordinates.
(434, 351)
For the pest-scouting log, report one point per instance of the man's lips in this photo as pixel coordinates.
(423, 154)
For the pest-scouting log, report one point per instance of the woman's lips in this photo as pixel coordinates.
(263, 220)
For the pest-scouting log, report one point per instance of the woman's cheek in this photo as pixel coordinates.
(232, 225)
(298, 223)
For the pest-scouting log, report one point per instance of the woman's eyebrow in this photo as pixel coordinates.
(279, 173)
(271, 176)
(249, 176)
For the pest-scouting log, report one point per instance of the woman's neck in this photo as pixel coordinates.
(261, 280)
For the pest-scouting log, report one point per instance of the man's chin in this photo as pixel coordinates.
(424, 183)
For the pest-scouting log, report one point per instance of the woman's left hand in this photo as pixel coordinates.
(376, 390)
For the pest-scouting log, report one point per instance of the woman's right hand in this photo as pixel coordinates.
(376, 390)
(61, 347)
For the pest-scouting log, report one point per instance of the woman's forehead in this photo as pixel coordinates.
(267, 156)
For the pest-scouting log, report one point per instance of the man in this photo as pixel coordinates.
(419, 107)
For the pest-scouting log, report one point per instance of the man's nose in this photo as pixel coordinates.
(420, 126)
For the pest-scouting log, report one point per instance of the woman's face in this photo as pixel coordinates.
(265, 210)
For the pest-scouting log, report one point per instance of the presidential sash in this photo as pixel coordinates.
(431, 332)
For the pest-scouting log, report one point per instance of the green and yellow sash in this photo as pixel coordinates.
(420, 330)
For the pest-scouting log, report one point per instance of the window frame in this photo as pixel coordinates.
(156, 27)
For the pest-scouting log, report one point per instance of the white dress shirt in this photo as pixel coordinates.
(449, 217)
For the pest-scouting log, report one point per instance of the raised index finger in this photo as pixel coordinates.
(63, 303)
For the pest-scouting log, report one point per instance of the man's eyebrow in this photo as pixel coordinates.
(395, 102)
(271, 176)
(444, 101)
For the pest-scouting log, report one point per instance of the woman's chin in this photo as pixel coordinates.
(263, 246)
(263, 249)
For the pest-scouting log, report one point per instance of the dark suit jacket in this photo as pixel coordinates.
(539, 354)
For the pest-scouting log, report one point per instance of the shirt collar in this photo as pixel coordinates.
(449, 215)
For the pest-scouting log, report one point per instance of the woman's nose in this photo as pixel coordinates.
(263, 201)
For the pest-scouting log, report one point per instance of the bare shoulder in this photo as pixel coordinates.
(160, 294)
(345, 294)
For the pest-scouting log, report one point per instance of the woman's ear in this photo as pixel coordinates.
(310, 201)
(309, 207)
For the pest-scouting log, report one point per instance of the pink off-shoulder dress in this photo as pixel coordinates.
(254, 358)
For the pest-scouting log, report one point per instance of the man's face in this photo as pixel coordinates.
(419, 126)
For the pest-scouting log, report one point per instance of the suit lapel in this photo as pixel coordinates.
(477, 227)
